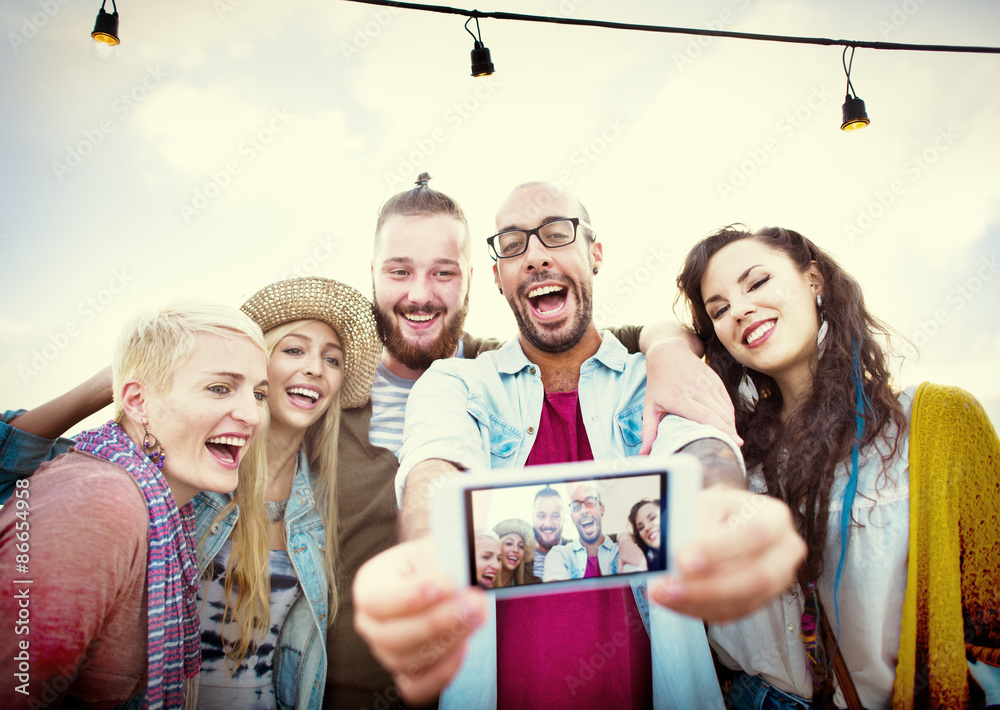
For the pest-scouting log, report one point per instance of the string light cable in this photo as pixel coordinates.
(443, 9)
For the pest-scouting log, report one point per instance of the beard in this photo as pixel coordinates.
(546, 545)
(597, 530)
(557, 338)
(419, 357)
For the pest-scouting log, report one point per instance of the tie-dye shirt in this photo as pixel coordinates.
(251, 685)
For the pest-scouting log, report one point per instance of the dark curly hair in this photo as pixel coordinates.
(822, 430)
(798, 455)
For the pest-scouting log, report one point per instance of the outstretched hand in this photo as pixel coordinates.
(746, 552)
(413, 619)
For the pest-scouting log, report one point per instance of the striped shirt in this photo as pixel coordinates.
(389, 395)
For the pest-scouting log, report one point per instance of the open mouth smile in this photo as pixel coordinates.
(226, 449)
(420, 320)
(758, 333)
(548, 300)
(304, 397)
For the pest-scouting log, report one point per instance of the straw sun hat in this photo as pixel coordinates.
(522, 528)
(338, 305)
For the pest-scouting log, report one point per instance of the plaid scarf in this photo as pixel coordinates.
(171, 569)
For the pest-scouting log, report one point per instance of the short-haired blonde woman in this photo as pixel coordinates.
(102, 536)
(267, 554)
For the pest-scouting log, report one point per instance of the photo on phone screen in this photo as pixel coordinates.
(543, 533)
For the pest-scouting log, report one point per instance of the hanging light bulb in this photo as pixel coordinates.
(482, 64)
(104, 44)
(854, 113)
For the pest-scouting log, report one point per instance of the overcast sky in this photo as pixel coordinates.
(237, 142)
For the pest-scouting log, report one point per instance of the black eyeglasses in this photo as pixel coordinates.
(514, 242)
(590, 501)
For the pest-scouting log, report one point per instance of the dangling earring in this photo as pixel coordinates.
(748, 390)
(152, 448)
(595, 271)
(824, 327)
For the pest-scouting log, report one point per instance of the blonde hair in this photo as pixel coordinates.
(321, 442)
(149, 348)
(518, 572)
(154, 341)
(248, 570)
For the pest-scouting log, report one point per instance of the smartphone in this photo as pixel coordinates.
(555, 528)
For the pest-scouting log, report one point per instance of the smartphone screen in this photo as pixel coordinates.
(564, 531)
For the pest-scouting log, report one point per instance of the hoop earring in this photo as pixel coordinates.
(151, 446)
(748, 390)
(824, 326)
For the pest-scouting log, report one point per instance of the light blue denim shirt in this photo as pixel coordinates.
(300, 657)
(570, 561)
(485, 412)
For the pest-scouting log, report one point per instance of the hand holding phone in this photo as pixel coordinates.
(545, 529)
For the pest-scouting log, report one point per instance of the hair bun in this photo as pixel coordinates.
(423, 179)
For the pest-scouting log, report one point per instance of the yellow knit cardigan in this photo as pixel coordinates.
(952, 604)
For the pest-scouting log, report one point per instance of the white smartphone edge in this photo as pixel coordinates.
(451, 530)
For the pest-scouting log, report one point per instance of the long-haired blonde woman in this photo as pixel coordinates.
(517, 550)
(269, 555)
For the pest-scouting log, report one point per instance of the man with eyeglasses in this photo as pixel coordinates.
(562, 391)
(594, 554)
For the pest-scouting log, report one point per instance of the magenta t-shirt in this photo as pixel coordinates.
(572, 650)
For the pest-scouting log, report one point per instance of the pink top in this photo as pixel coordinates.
(561, 434)
(573, 650)
(86, 608)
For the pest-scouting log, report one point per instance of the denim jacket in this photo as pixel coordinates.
(300, 657)
(485, 412)
(21, 453)
(570, 561)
